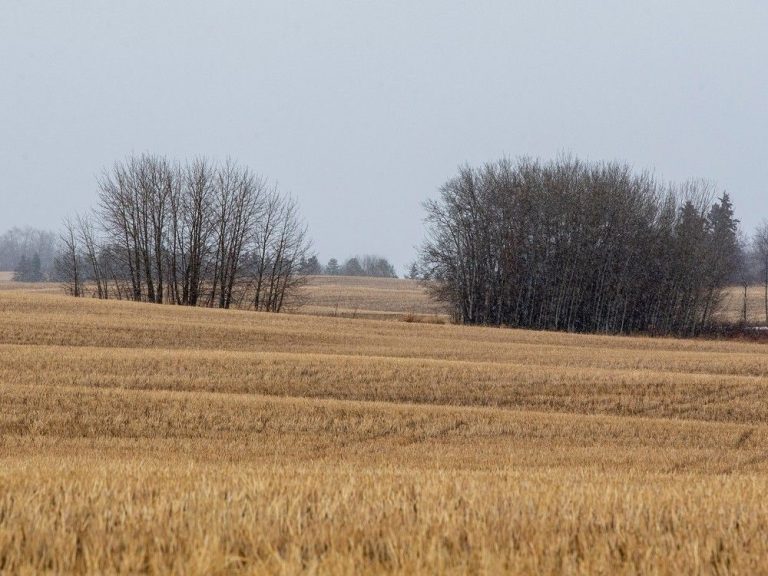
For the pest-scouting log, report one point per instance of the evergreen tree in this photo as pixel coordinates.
(352, 267)
(35, 269)
(332, 268)
(311, 266)
(413, 271)
(723, 240)
(29, 269)
(21, 272)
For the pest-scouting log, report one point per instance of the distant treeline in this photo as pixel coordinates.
(366, 265)
(29, 253)
(578, 246)
(197, 233)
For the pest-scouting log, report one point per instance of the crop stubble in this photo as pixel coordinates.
(155, 438)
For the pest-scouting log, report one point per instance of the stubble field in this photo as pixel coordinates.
(140, 438)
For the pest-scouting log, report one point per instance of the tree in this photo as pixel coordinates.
(725, 252)
(191, 229)
(21, 272)
(760, 250)
(352, 267)
(35, 271)
(413, 271)
(28, 269)
(89, 241)
(238, 202)
(311, 266)
(377, 266)
(332, 268)
(68, 262)
(744, 273)
(284, 243)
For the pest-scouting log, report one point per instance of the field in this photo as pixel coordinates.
(141, 438)
(732, 307)
(372, 298)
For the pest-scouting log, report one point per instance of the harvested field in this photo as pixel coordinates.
(733, 305)
(372, 298)
(144, 438)
(403, 299)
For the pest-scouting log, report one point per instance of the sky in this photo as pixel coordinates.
(361, 110)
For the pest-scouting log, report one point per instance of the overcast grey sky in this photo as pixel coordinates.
(362, 109)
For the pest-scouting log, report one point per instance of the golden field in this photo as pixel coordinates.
(732, 306)
(144, 438)
(372, 298)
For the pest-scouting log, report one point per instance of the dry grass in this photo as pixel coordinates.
(733, 305)
(140, 438)
(370, 298)
(7, 283)
(406, 300)
(402, 299)
(137, 517)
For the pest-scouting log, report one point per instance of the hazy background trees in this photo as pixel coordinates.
(377, 266)
(28, 269)
(311, 266)
(365, 265)
(198, 233)
(29, 253)
(587, 247)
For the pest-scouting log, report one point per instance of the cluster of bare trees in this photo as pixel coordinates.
(587, 247)
(199, 233)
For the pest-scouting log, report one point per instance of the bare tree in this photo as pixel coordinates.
(118, 212)
(281, 245)
(239, 199)
(760, 249)
(191, 225)
(68, 261)
(744, 273)
(88, 240)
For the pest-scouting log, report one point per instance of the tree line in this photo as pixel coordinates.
(579, 246)
(29, 253)
(193, 233)
(365, 265)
